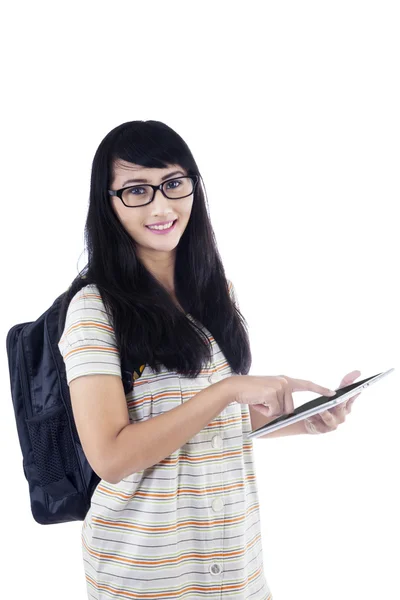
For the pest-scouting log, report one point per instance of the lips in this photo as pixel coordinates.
(173, 223)
(163, 231)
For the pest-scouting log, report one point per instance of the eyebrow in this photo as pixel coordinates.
(146, 181)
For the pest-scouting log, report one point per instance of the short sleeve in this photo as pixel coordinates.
(88, 345)
(232, 293)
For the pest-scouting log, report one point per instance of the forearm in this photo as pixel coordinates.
(141, 445)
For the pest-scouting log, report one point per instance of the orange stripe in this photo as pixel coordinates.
(209, 490)
(177, 560)
(173, 594)
(99, 348)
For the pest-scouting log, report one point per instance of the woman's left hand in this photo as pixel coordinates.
(331, 418)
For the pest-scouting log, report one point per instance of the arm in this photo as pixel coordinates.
(258, 420)
(139, 446)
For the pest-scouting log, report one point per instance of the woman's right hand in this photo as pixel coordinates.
(272, 395)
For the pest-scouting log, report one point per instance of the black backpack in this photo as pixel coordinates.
(61, 481)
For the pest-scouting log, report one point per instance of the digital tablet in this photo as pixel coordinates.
(318, 405)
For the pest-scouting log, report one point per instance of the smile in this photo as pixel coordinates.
(163, 231)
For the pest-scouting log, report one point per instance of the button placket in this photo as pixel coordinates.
(217, 504)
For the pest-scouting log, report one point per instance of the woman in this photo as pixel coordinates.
(176, 512)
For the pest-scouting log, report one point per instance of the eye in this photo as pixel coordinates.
(174, 181)
(130, 190)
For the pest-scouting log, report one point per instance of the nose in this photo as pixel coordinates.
(158, 194)
(159, 199)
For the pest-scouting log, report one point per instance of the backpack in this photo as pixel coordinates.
(61, 481)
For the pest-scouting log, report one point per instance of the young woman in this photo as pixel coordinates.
(176, 513)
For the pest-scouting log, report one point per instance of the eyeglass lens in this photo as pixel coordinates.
(141, 194)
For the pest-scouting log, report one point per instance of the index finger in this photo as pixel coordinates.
(303, 385)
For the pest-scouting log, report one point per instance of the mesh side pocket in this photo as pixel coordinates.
(52, 446)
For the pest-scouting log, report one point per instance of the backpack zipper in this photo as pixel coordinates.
(23, 379)
(69, 416)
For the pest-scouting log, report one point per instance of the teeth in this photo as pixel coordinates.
(166, 226)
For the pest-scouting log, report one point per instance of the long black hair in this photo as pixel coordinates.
(149, 327)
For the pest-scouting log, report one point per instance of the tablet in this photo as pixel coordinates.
(318, 405)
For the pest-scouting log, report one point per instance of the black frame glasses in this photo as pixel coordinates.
(118, 193)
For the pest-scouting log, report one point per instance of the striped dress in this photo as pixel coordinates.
(187, 527)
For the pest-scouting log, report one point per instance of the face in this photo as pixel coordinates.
(135, 220)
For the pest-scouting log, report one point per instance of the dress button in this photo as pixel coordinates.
(215, 569)
(217, 504)
(217, 441)
(214, 377)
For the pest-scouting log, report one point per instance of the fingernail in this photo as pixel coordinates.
(332, 392)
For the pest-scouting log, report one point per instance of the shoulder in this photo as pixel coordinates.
(87, 318)
(88, 294)
(87, 301)
(88, 344)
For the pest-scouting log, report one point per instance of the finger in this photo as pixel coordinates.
(329, 419)
(316, 425)
(351, 400)
(280, 393)
(339, 410)
(346, 406)
(310, 426)
(350, 403)
(349, 378)
(288, 401)
(303, 385)
(262, 408)
(284, 397)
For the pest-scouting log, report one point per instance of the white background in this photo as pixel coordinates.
(291, 110)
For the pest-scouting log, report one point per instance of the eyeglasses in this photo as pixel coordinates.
(139, 195)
